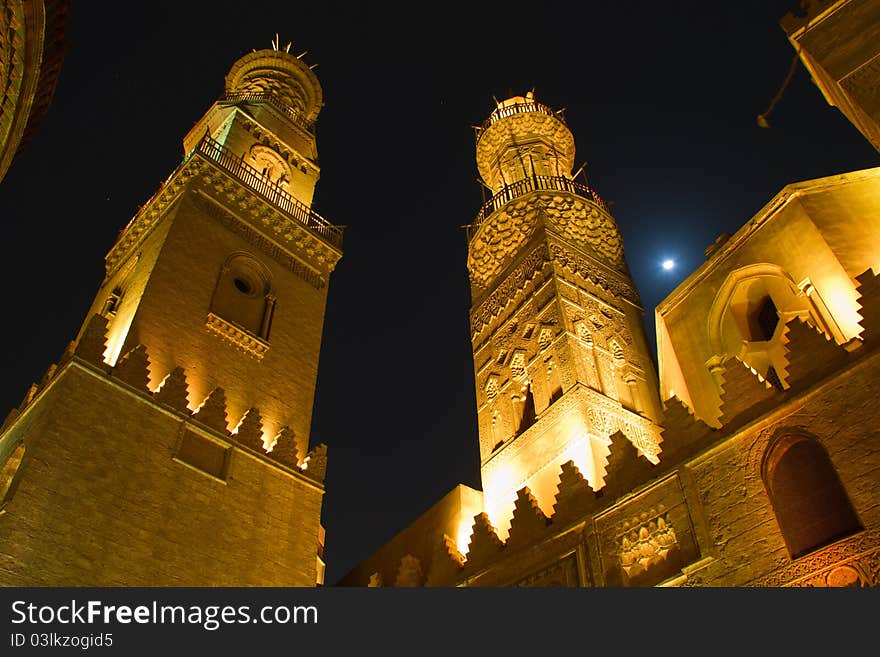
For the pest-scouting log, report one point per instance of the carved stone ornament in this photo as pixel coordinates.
(260, 218)
(249, 344)
(521, 128)
(853, 561)
(483, 314)
(606, 419)
(574, 218)
(647, 541)
(594, 271)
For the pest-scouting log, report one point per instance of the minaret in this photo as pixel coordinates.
(561, 362)
(175, 429)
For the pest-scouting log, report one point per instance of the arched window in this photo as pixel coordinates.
(111, 305)
(763, 319)
(810, 503)
(243, 295)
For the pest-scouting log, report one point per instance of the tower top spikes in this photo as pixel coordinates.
(277, 72)
(276, 44)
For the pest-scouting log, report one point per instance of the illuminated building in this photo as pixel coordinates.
(32, 44)
(761, 465)
(170, 443)
(750, 458)
(838, 42)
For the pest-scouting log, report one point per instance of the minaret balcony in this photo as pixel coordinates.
(533, 183)
(294, 115)
(268, 190)
(509, 109)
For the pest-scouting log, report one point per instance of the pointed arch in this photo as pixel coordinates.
(809, 501)
(754, 273)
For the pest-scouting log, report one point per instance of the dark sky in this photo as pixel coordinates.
(661, 98)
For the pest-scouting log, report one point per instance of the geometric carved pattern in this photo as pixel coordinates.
(596, 272)
(853, 561)
(641, 433)
(518, 364)
(491, 387)
(505, 292)
(508, 228)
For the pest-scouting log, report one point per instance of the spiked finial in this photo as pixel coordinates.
(276, 44)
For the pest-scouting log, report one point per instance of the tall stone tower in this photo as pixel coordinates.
(170, 443)
(560, 357)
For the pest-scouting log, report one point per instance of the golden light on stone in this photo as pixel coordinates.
(840, 296)
(117, 333)
(463, 535)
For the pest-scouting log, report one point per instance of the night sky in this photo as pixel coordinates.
(661, 98)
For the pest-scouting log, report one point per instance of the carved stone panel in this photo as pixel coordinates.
(648, 539)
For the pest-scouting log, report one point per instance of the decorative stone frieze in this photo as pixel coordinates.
(574, 218)
(505, 292)
(853, 561)
(247, 343)
(594, 271)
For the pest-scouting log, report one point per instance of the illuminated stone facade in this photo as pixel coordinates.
(760, 468)
(560, 356)
(170, 443)
(838, 42)
(33, 40)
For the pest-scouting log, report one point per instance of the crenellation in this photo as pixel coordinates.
(249, 431)
(409, 573)
(683, 432)
(868, 289)
(212, 411)
(528, 522)
(744, 393)
(174, 391)
(574, 497)
(446, 564)
(92, 342)
(810, 355)
(484, 546)
(315, 462)
(133, 369)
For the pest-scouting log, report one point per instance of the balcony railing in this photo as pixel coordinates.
(518, 108)
(291, 113)
(268, 190)
(532, 184)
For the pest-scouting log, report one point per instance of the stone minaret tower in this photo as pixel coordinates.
(560, 357)
(170, 443)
